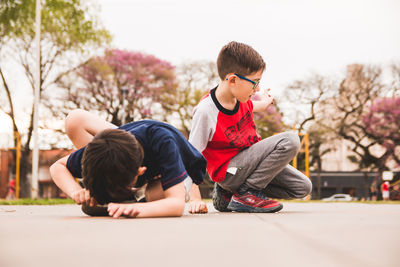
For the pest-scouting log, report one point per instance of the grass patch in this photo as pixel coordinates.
(45, 201)
(63, 201)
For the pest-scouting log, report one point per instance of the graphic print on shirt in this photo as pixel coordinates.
(239, 134)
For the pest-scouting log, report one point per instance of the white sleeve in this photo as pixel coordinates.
(203, 128)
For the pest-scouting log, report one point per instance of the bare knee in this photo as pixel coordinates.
(73, 122)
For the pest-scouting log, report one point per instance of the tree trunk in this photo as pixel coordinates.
(24, 182)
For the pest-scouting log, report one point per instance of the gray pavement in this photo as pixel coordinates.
(302, 234)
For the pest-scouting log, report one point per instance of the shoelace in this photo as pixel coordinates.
(258, 194)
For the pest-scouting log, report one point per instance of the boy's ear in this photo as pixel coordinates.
(142, 170)
(230, 77)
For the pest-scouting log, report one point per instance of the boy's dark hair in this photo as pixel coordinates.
(238, 58)
(109, 165)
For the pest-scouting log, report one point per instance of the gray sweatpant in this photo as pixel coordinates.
(264, 167)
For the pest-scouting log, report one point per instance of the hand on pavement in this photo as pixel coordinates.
(82, 196)
(197, 206)
(116, 210)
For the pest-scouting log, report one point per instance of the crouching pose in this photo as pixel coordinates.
(247, 171)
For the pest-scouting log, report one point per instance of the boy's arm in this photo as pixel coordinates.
(203, 127)
(66, 182)
(200, 134)
(172, 205)
(196, 205)
(263, 102)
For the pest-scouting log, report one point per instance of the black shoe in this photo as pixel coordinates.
(102, 210)
(99, 210)
(221, 198)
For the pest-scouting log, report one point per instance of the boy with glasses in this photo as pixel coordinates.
(246, 170)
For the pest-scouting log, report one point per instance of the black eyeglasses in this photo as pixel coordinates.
(255, 83)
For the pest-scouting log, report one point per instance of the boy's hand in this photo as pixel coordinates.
(261, 102)
(116, 210)
(197, 206)
(267, 98)
(82, 196)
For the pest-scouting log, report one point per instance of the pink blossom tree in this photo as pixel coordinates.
(125, 85)
(382, 123)
(269, 122)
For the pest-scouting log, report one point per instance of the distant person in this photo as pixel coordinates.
(247, 171)
(115, 161)
(11, 190)
(385, 190)
(373, 191)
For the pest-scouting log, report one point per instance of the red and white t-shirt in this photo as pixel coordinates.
(219, 134)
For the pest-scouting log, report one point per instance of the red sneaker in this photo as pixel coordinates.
(253, 201)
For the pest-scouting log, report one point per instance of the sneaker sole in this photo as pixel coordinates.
(238, 207)
(219, 202)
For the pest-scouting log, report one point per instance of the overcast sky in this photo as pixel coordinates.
(295, 37)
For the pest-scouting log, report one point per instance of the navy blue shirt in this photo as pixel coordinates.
(166, 152)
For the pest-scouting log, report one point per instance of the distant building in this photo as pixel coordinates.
(47, 188)
(337, 159)
(6, 160)
(356, 184)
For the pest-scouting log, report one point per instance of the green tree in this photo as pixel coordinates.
(195, 79)
(69, 34)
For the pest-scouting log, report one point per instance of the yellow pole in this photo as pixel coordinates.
(295, 158)
(295, 162)
(17, 163)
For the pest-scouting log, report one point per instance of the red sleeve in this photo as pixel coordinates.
(250, 104)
